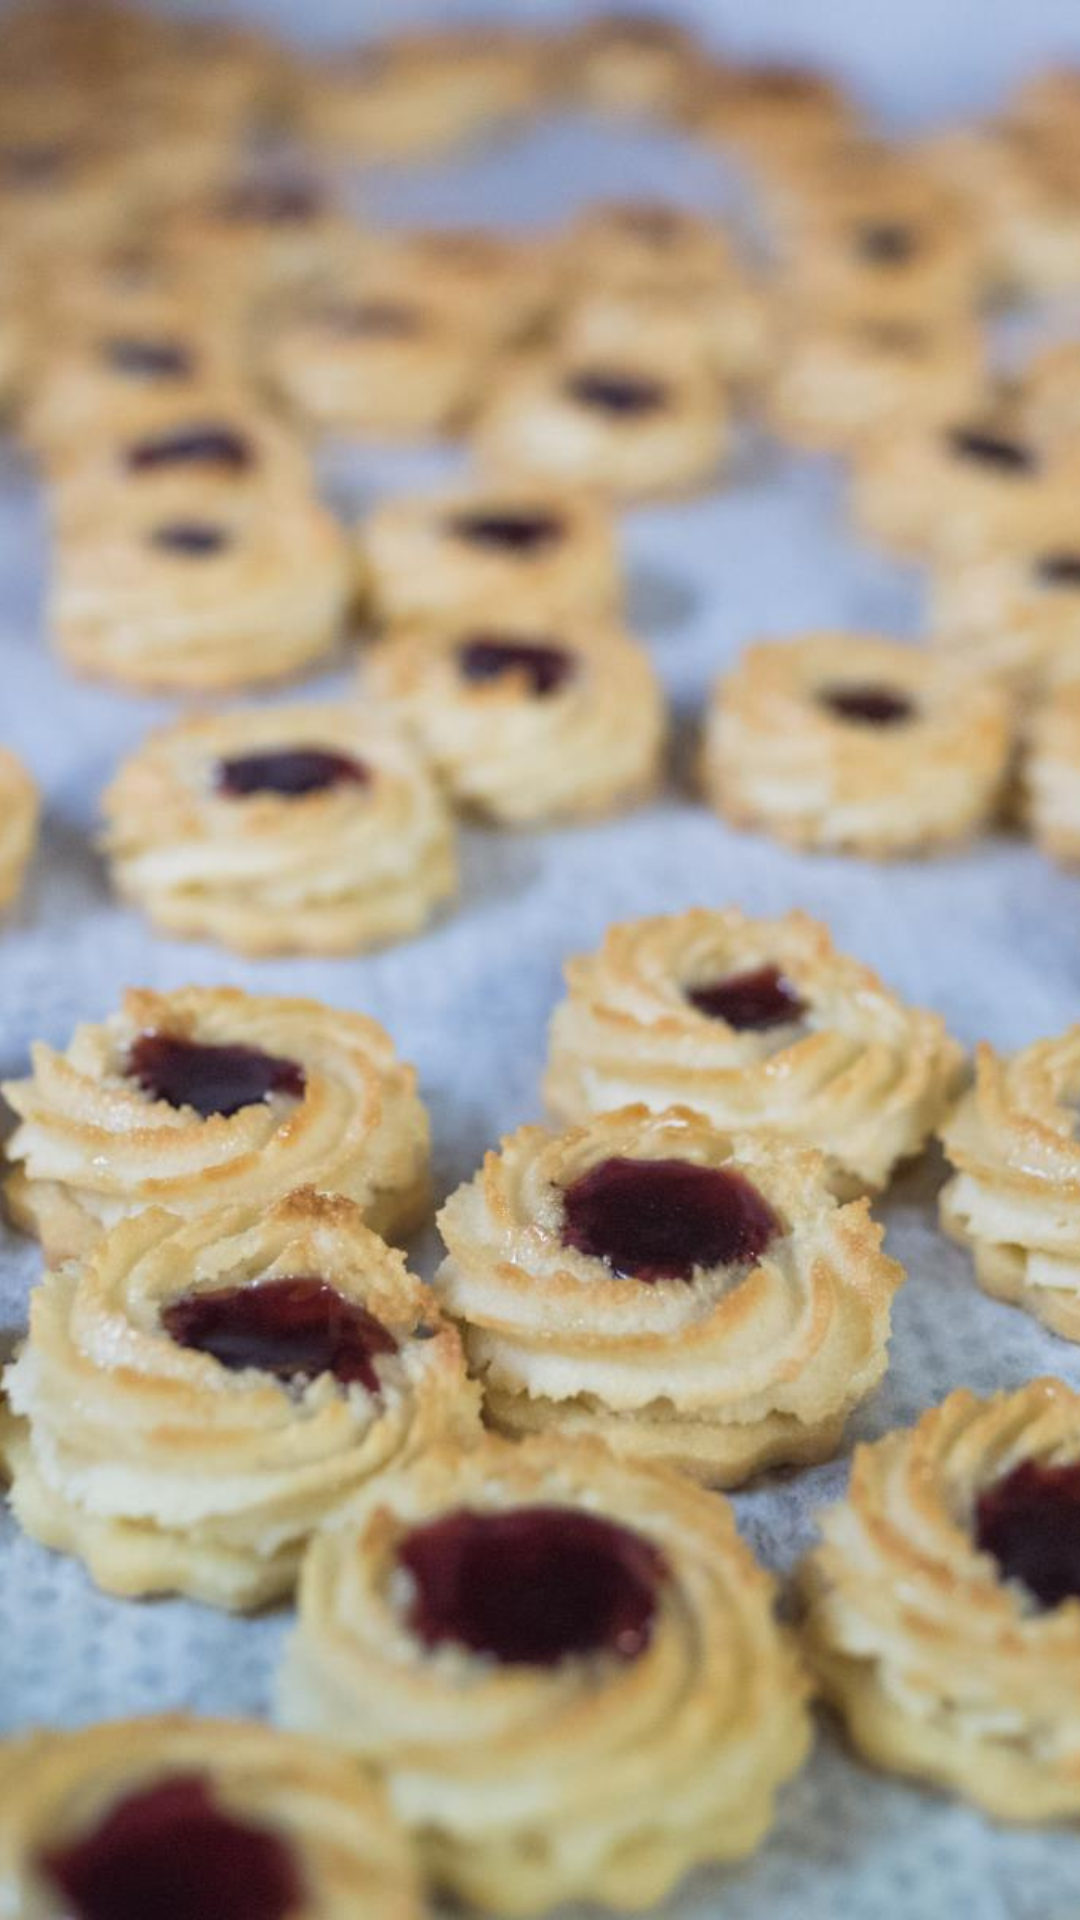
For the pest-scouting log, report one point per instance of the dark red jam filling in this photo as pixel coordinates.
(186, 1073)
(34, 165)
(514, 532)
(533, 1586)
(626, 395)
(1058, 569)
(992, 450)
(1030, 1522)
(655, 1220)
(750, 1002)
(197, 446)
(196, 539)
(291, 772)
(487, 657)
(887, 243)
(169, 1853)
(273, 203)
(293, 1327)
(372, 319)
(868, 706)
(150, 359)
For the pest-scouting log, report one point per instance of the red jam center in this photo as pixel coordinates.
(185, 1073)
(291, 772)
(195, 539)
(1030, 1522)
(869, 706)
(169, 1853)
(992, 450)
(291, 1327)
(1058, 569)
(533, 1586)
(750, 1002)
(886, 243)
(198, 446)
(655, 1220)
(150, 359)
(524, 533)
(621, 394)
(487, 657)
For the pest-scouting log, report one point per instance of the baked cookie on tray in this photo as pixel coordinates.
(566, 1666)
(208, 1096)
(686, 1295)
(20, 808)
(416, 95)
(752, 1023)
(171, 1815)
(1012, 609)
(850, 743)
(299, 829)
(274, 1360)
(839, 379)
(941, 1603)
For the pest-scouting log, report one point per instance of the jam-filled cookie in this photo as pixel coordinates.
(941, 1604)
(685, 1295)
(761, 112)
(526, 720)
(635, 427)
(1013, 609)
(1051, 770)
(753, 1023)
(503, 284)
(899, 252)
(274, 1360)
(313, 829)
(207, 1096)
(636, 64)
(20, 808)
(1050, 394)
(488, 1611)
(839, 379)
(257, 236)
(486, 544)
(853, 744)
(642, 246)
(416, 95)
(1011, 1142)
(177, 1816)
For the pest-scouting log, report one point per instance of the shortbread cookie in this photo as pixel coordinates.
(753, 1023)
(645, 246)
(525, 720)
(311, 829)
(685, 1295)
(838, 380)
(198, 583)
(415, 95)
(257, 236)
(1050, 394)
(483, 545)
(629, 64)
(20, 807)
(567, 1667)
(101, 383)
(1051, 772)
(206, 1097)
(633, 427)
(853, 744)
(729, 330)
(1011, 1142)
(273, 1362)
(897, 253)
(503, 284)
(942, 1618)
(1014, 610)
(760, 112)
(178, 444)
(178, 1816)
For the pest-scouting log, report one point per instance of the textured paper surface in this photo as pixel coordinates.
(989, 937)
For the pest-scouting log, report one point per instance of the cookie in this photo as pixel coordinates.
(1051, 770)
(526, 720)
(940, 1614)
(274, 1361)
(637, 65)
(205, 1097)
(838, 380)
(685, 1295)
(415, 95)
(1014, 610)
(20, 808)
(752, 1023)
(759, 112)
(853, 744)
(308, 829)
(169, 1813)
(490, 543)
(510, 1728)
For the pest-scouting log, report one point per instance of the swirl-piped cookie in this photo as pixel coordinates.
(851, 743)
(271, 1363)
(415, 95)
(629, 64)
(683, 1295)
(1011, 1141)
(839, 379)
(1013, 609)
(753, 1023)
(485, 544)
(942, 1619)
(207, 1096)
(20, 807)
(566, 1665)
(169, 1815)
(310, 829)
(523, 720)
